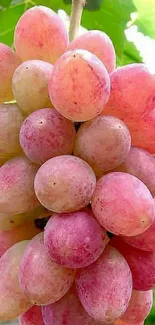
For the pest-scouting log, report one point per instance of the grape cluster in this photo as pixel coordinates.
(76, 154)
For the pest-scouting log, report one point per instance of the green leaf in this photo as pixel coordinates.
(146, 16)
(5, 3)
(8, 19)
(112, 18)
(90, 4)
(129, 55)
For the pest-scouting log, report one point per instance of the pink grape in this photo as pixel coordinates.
(139, 306)
(105, 287)
(141, 263)
(32, 317)
(132, 92)
(103, 143)
(75, 239)
(12, 301)
(141, 164)
(45, 134)
(15, 235)
(9, 61)
(11, 119)
(46, 29)
(11, 221)
(121, 322)
(68, 311)
(80, 85)
(142, 132)
(42, 280)
(144, 241)
(98, 43)
(122, 204)
(65, 184)
(17, 186)
(30, 85)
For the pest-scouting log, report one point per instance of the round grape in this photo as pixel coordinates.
(74, 239)
(65, 184)
(40, 34)
(132, 92)
(105, 287)
(45, 134)
(80, 85)
(98, 43)
(41, 280)
(103, 143)
(30, 85)
(122, 204)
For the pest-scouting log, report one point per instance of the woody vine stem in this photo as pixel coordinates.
(75, 19)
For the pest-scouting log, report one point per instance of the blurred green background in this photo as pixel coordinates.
(129, 23)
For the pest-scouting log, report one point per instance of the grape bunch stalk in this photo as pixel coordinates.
(77, 177)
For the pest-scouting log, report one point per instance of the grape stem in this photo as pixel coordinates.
(75, 19)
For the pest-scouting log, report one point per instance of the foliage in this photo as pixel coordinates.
(107, 15)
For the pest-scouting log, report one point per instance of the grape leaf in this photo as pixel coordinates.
(111, 18)
(146, 16)
(5, 3)
(8, 19)
(129, 55)
(90, 4)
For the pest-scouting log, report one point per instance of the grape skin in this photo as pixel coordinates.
(30, 85)
(11, 119)
(122, 204)
(45, 134)
(141, 263)
(15, 235)
(17, 186)
(64, 184)
(11, 221)
(98, 43)
(68, 311)
(12, 301)
(144, 241)
(103, 143)
(121, 322)
(132, 92)
(139, 306)
(142, 133)
(105, 287)
(84, 84)
(75, 239)
(9, 61)
(46, 29)
(41, 280)
(141, 164)
(32, 317)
